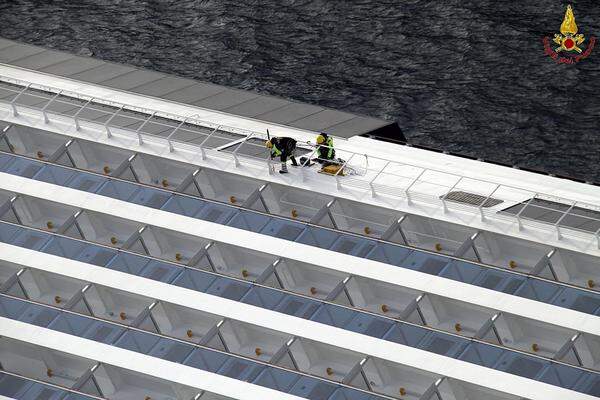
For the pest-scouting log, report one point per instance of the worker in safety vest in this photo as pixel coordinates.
(283, 147)
(325, 152)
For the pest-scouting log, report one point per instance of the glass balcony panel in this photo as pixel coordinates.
(194, 280)
(364, 219)
(184, 205)
(298, 306)
(428, 263)
(380, 297)
(152, 198)
(334, 316)
(183, 322)
(589, 384)
(240, 369)
(531, 336)
(508, 252)
(500, 281)
(14, 387)
(8, 232)
(170, 245)
(206, 360)
(388, 254)
(283, 229)
(263, 297)
(252, 341)
(562, 376)
(481, 354)
(23, 167)
(97, 157)
(521, 365)
(40, 363)
(55, 175)
(49, 288)
(409, 335)
(170, 350)
(119, 190)
(451, 389)
(453, 316)
(276, 379)
(128, 263)
(31, 239)
(227, 188)
(228, 289)
(462, 271)
(312, 389)
(318, 237)
(577, 268)
(237, 261)
(308, 279)
(217, 213)
(159, 171)
(87, 182)
(139, 342)
(323, 360)
(249, 221)
(393, 379)
(160, 271)
(287, 201)
(79, 251)
(369, 325)
(434, 235)
(539, 290)
(354, 246)
(34, 143)
(443, 344)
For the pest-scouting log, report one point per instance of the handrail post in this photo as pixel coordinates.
(12, 102)
(174, 131)
(337, 177)
(407, 190)
(202, 151)
(448, 192)
(373, 194)
(234, 153)
(557, 223)
(518, 216)
(46, 106)
(75, 117)
(108, 133)
(137, 131)
(306, 162)
(484, 201)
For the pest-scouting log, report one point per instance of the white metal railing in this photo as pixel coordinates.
(379, 176)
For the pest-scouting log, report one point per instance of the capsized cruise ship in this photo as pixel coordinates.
(150, 251)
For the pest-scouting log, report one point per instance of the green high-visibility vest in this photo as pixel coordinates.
(330, 149)
(275, 151)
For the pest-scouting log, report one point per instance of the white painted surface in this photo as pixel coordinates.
(133, 361)
(429, 207)
(309, 254)
(293, 326)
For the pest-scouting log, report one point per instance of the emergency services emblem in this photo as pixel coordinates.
(570, 42)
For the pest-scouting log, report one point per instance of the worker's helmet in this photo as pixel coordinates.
(269, 144)
(320, 139)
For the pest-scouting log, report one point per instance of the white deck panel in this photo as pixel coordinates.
(337, 261)
(537, 232)
(423, 158)
(138, 362)
(405, 355)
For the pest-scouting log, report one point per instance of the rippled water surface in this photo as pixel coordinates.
(465, 76)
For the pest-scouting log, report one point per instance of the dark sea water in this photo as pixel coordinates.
(466, 76)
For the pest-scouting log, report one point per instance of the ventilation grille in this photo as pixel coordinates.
(471, 199)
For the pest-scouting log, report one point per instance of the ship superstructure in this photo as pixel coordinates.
(149, 251)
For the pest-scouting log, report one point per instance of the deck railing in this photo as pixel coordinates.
(362, 172)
